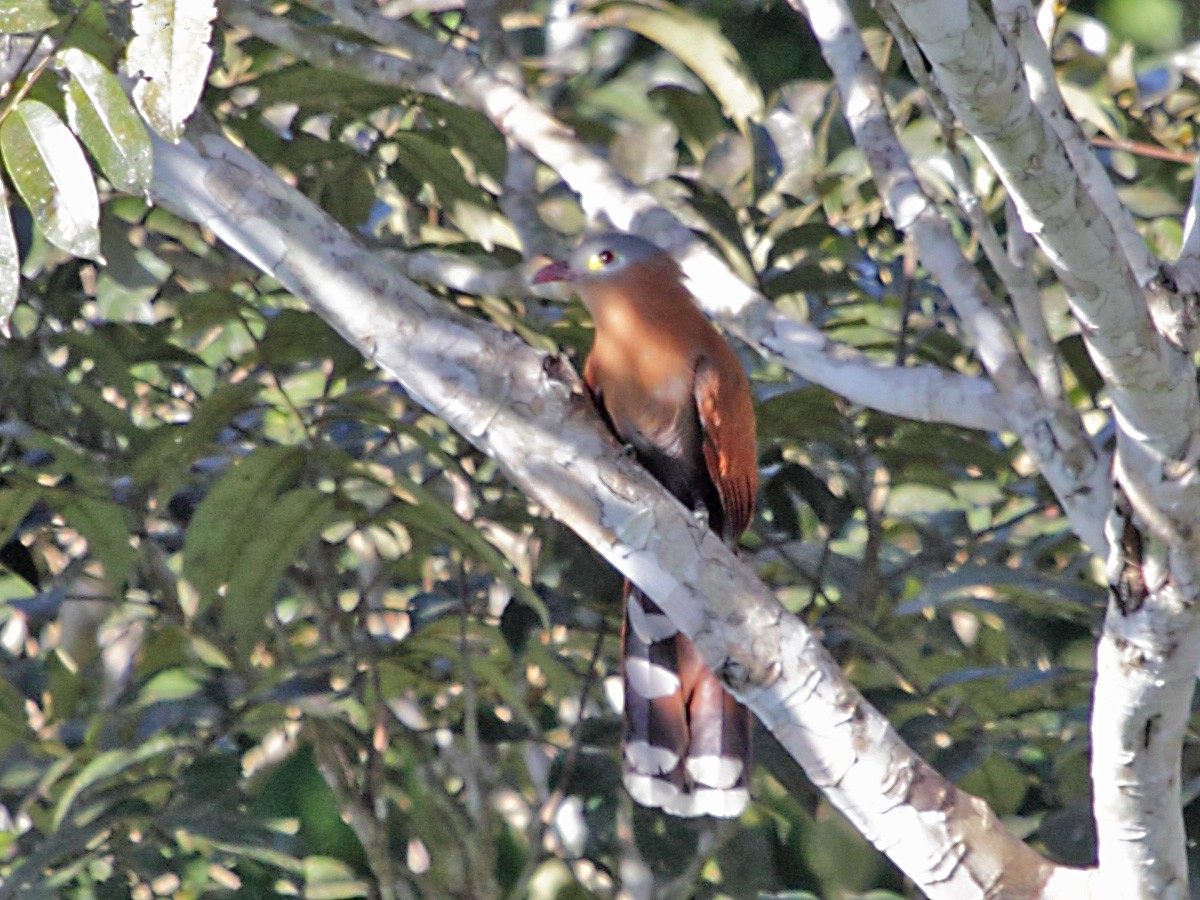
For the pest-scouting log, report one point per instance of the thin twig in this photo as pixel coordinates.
(1044, 358)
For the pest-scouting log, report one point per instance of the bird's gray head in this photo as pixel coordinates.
(602, 256)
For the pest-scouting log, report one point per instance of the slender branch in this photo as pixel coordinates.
(458, 273)
(1054, 436)
(921, 393)
(338, 773)
(1016, 275)
(1150, 383)
(1141, 148)
(1026, 300)
(1017, 21)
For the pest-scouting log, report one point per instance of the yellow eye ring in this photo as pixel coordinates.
(599, 260)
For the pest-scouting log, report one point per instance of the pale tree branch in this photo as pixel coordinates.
(398, 9)
(921, 393)
(1146, 664)
(1191, 223)
(1045, 359)
(527, 411)
(1013, 269)
(1152, 391)
(1147, 654)
(1053, 435)
(1019, 24)
(458, 273)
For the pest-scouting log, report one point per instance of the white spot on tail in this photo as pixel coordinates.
(719, 803)
(614, 692)
(646, 759)
(714, 771)
(648, 680)
(651, 791)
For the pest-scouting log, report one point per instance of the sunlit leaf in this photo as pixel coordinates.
(331, 879)
(170, 52)
(698, 43)
(99, 111)
(169, 685)
(51, 173)
(25, 16)
(15, 504)
(10, 264)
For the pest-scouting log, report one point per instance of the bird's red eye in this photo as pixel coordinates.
(606, 257)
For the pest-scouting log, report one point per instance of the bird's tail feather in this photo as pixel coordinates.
(686, 739)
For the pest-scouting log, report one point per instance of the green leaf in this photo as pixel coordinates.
(100, 113)
(168, 686)
(430, 163)
(15, 504)
(472, 132)
(102, 522)
(698, 44)
(14, 723)
(51, 173)
(170, 50)
(296, 337)
(313, 89)
(173, 448)
(25, 16)
(999, 781)
(290, 523)
(10, 265)
(106, 766)
(232, 515)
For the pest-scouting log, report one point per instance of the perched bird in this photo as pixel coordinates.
(672, 389)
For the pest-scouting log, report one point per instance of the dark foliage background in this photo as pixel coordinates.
(269, 629)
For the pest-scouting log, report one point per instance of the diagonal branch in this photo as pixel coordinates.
(1017, 20)
(527, 412)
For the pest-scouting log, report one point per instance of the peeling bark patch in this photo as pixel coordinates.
(1127, 580)
(1132, 656)
(556, 368)
(741, 671)
(735, 675)
(928, 791)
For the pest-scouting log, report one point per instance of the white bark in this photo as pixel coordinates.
(1151, 385)
(1148, 653)
(526, 411)
(1053, 434)
(1191, 223)
(1019, 23)
(1146, 668)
